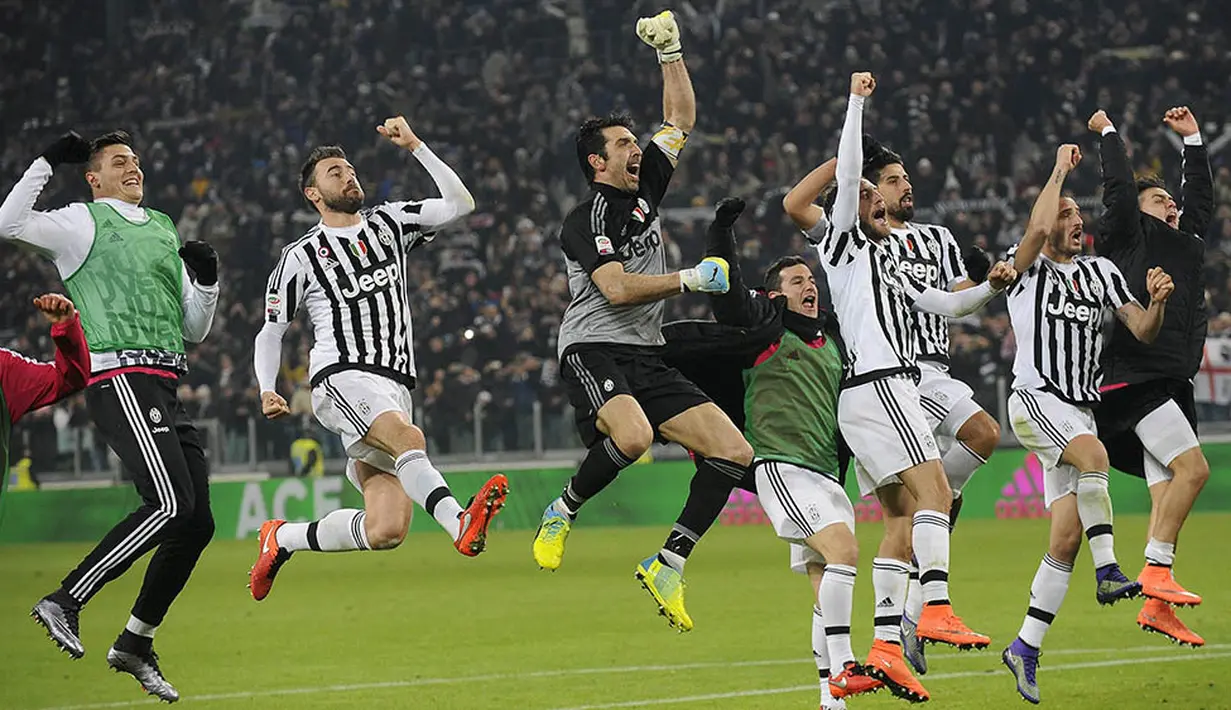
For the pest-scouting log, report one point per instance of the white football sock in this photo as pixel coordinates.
(930, 539)
(820, 650)
(1160, 553)
(425, 486)
(889, 581)
(1047, 592)
(914, 597)
(340, 531)
(836, 596)
(1094, 509)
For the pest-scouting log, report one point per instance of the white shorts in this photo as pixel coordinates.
(800, 503)
(1046, 424)
(884, 424)
(802, 555)
(347, 403)
(1165, 434)
(947, 402)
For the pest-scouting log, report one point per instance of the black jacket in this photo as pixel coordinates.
(1137, 242)
(714, 354)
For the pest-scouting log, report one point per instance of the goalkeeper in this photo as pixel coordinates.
(610, 339)
(141, 295)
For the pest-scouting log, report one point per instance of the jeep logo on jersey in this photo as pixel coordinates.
(374, 277)
(1075, 309)
(922, 271)
(638, 246)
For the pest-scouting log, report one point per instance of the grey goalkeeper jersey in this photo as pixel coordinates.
(611, 226)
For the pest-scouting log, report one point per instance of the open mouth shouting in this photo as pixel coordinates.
(907, 201)
(880, 216)
(1173, 219)
(633, 168)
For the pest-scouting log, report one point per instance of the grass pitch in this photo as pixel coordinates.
(422, 627)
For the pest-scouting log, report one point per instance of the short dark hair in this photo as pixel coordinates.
(307, 176)
(1145, 182)
(773, 275)
(104, 141)
(878, 161)
(591, 141)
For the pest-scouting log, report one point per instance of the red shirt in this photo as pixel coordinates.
(28, 385)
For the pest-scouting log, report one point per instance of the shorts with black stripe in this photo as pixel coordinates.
(1046, 424)
(800, 502)
(347, 403)
(593, 374)
(886, 428)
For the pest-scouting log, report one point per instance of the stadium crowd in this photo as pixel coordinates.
(225, 100)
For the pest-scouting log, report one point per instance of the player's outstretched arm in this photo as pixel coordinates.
(736, 306)
(800, 203)
(267, 360)
(849, 170)
(1146, 322)
(679, 102)
(1120, 225)
(1046, 208)
(1198, 187)
(57, 234)
(455, 200)
(956, 304)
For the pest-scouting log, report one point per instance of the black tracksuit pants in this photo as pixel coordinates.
(141, 418)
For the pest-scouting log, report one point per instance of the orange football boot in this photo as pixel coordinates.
(1159, 618)
(853, 680)
(887, 664)
(472, 538)
(938, 624)
(269, 560)
(1158, 582)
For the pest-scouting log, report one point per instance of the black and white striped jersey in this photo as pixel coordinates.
(1058, 310)
(352, 283)
(931, 256)
(873, 296)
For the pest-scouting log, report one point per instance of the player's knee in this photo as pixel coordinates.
(385, 535)
(737, 450)
(1196, 470)
(1087, 453)
(633, 438)
(1065, 543)
(981, 433)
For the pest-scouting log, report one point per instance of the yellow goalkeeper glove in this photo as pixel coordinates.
(661, 33)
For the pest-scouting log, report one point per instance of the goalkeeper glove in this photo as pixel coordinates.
(202, 260)
(70, 148)
(661, 33)
(712, 275)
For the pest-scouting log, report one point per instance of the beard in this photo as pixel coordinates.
(344, 203)
(1059, 243)
(902, 214)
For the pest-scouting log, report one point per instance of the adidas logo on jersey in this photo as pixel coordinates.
(885, 603)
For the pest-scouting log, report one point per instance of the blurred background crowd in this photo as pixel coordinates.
(225, 99)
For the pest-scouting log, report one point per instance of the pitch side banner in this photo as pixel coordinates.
(1009, 487)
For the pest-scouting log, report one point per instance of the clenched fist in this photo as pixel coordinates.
(55, 307)
(1067, 157)
(1002, 275)
(273, 406)
(1098, 121)
(863, 83)
(397, 130)
(1159, 285)
(662, 33)
(1181, 120)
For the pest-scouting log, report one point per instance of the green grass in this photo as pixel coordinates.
(422, 627)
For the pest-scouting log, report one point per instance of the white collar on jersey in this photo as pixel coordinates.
(127, 210)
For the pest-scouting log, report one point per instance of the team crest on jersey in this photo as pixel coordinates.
(384, 236)
(155, 415)
(359, 249)
(642, 210)
(604, 246)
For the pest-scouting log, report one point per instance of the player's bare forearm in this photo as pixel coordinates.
(621, 288)
(800, 203)
(1144, 323)
(679, 101)
(1046, 209)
